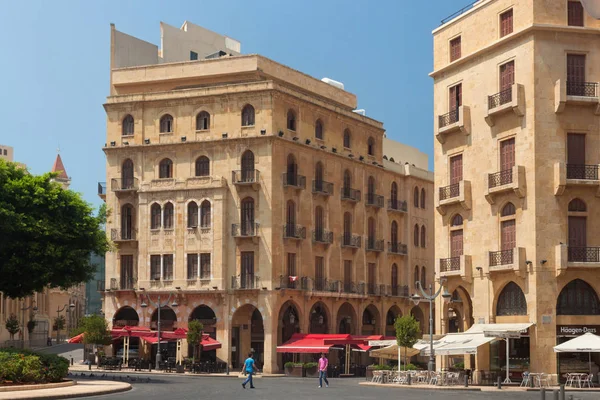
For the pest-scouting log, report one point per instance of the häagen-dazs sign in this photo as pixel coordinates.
(576, 330)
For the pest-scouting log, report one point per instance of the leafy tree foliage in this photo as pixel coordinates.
(12, 325)
(95, 330)
(407, 332)
(194, 335)
(47, 233)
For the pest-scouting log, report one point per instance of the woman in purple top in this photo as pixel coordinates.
(323, 363)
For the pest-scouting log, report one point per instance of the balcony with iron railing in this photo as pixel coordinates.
(102, 190)
(245, 282)
(508, 180)
(351, 195)
(505, 101)
(294, 231)
(576, 94)
(322, 188)
(458, 193)
(350, 287)
(459, 266)
(374, 200)
(397, 205)
(123, 235)
(100, 285)
(294, 181)
(571, 257)
(397, 248)
(123, 186)
(249, 230)
(324, 285)
(507, 260)
(458, 120)
(398, 291)
(373, 244)
(375, 289)
(124, 283)
(575, 175)
(322, 236)
(350, 241)
(293, 282)
(250, 177)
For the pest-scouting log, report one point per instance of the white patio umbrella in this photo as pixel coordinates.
(586, 343)
(592, 7)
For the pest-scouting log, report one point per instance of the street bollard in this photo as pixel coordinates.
(499, 383)
(466, 381)
(562, 392)
(408, 378)
(543, 393)
(555, 394)
(89, 366)
(227, 370)
(71, 361)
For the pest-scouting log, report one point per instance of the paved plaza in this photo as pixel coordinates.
(193, 388)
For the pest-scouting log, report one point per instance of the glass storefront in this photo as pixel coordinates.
(518, 357)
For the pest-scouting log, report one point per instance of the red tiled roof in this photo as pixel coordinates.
(59, 168)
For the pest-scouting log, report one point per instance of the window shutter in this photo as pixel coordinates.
(575, 13)
(576, 68)
(506, 23)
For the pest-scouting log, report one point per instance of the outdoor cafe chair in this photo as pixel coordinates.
(586, 380)
(377, 377)
(525, 380)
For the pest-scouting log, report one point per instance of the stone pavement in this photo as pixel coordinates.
(81, 389)
(83, 368)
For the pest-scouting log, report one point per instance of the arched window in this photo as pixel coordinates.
(577, 205)
(168, 216)
(371, 146)
(127, 181)
(292, 171)
(290, 218)
(319, 222)
(248, 115)
(423, 277)
(166, 124)
(423, 198)
(508, 209)
(457, 220)
(394, 279)
(394, 233)
(347, 225)
(416, 236)
(423, 236)
(203, 121)
(155, 217)
(202, 166)
(205, 214)
(319, 129)
(247, 216)
(511, 301)
(577, 298)
(127, 222)
(371, 230)
(192, 214)
(508, 230)
(165, 169)
(347, 138)
(416, 197)
(416, 275)
(127, 125)
(291, 120)
(248, 166)
(456, 243)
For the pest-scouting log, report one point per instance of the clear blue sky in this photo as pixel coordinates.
(55, 64)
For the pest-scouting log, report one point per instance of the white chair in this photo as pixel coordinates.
(377, 377)
(586, 380)
(570, 378)
(544, 380)
(434, 379)
(525, 380)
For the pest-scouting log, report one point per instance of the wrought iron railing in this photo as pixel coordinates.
(500, 178)
(322, 236)
(398, 205)
(293, 282)
(349, 240)
(322, 187)
(583, 89)
(450, 264)
(244, 230)
(325, 285)
(124, 283)
(500, 98)
(245, 176)
(117, 184)
(459, 12)
(102, 188)
(398, 291)
(503, 257)
(584, 254)
(375, 200)
(449, 192)
(245, 281)
(100, 285)
(294, 180)
(126, 322)
(293, 231)
(350, 194)
(120, 235)
(580, 171)
(373, 244)
(353, 287)
(448, 118)
(397, 248)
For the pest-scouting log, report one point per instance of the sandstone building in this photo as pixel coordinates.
(516, 177)
(256, 195)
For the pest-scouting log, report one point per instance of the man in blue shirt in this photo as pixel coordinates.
(249, 368)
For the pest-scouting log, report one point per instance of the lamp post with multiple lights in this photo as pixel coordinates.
(158, 306)
(58, 311)
(23, 309)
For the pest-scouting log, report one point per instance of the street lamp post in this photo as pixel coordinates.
(23, 309)
(58, 311)
(158, 306)
(430, 298)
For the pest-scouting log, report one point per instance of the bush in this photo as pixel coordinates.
(380, 367)
(310, 365)
(410, 367)
(291, 364)
(25, 366)
(459, 365)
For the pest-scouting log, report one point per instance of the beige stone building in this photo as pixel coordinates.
(257, 197)
(516, 162)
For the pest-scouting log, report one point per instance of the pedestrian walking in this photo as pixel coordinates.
(249, 367)
(323, 363)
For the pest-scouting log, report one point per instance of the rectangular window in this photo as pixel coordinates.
(192, 266)
(155, 267)
(455, 52)
(127, 272)
(371, 278)
(506, 23)
(5, 152)
(247, 272)
(291, 270)
(168, 267)
(193, 56)
(507, 75)
(347, 276)
(507, 156)
(456, 169)
(319, 273)
(455, 99)
(205, 266)
(575, 13)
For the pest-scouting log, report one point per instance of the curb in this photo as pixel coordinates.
(431, 388)
(24, 388)
(74, 395)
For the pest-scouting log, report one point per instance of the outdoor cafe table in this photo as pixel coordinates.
(537, 377)
(576, 378)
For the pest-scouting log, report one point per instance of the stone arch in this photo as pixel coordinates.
(207, 316)
(126, 316)
(288, 323)
(511, 301)
(346, 321)
(417, 313)
(319, 318)
(250, 323)
(168, 319)
(371, 320)
(578, 298)
(459, 303)
(393, 313)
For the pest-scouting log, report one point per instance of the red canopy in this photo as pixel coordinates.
(312, 343)
(153, 339)
(209, 343)
(76, 339)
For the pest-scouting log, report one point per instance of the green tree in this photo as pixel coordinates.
(12, 326)
(95, 330)
(47, 233)
(59, 323)
(194, 336)
(31, 325)
(407, 333)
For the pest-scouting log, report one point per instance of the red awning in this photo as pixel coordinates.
(76, 339)
(311, 343)
(209, 343)
(153, 339)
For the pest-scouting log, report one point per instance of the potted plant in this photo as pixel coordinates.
(12, 326)
(293, 369)
(311, 370)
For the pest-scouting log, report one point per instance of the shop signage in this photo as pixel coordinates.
(576, 330)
